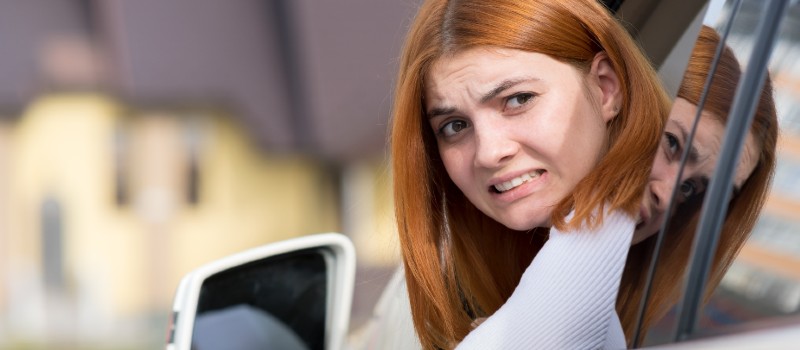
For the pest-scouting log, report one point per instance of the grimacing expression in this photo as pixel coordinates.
(517, 130)
(699, 167)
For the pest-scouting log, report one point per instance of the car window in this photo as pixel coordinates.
(762, 281)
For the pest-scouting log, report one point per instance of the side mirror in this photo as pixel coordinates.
(293, 294)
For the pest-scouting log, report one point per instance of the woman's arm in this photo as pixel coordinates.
(566, 297)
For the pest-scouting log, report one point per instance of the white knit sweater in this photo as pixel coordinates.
(566, 297)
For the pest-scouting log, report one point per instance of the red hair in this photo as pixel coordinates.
(459, 263)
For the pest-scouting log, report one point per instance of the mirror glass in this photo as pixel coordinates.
(274, 303)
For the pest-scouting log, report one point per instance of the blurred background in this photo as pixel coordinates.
(141, 139)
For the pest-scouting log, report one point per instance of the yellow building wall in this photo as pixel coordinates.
(369, 213)
(127, 260)
(249, 199)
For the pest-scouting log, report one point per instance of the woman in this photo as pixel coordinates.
(751, 182)
(472, 67)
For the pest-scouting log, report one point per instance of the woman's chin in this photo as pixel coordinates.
(642, 233)
(525, 225)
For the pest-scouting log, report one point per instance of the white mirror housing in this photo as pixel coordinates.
(339, 256)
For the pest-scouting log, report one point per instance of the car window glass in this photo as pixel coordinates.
(763, 280)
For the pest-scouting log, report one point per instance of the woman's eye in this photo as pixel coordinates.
(453, 127)
(688, 189)
(672, 143)
(518, 100)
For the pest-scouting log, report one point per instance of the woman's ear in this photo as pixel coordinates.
(610, 96)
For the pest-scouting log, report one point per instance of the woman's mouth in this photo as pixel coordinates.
(517, 181)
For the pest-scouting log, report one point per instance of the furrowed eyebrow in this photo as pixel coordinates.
(435, 112)
(694, 155)
(503, 86)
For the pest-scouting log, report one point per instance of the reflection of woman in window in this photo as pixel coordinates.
(496, 100)
(751, 182)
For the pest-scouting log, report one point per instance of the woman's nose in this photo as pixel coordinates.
(495, 145)
(660, 193)
(662, 182)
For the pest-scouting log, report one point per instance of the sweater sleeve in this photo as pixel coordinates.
(566, 297)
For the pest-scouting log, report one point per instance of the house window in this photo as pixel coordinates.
(52, 244)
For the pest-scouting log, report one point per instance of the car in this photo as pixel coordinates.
(277, 279)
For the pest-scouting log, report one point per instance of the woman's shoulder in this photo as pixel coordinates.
(612, 224)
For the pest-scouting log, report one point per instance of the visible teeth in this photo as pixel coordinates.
(505, 186)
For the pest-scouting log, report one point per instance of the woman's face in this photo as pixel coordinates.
(517, 130)
(698, 169)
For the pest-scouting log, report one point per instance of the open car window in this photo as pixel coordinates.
(752, 249)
